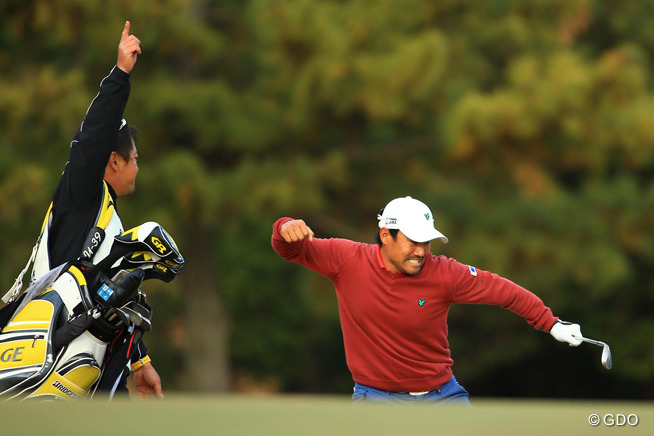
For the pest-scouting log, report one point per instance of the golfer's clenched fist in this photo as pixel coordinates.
(296, 230)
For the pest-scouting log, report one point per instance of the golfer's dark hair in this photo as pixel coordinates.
(123, 142)
(393, 233)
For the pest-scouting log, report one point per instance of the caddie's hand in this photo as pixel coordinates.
(564, 331)
(128, 50)
(296, 230)
(148, 382)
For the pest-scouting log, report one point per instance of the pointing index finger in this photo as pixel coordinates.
(126, 30)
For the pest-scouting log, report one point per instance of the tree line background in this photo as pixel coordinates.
(525, 125)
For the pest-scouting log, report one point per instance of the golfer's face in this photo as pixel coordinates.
(404, 255)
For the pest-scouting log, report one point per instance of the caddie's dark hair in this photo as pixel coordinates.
(123, 142)
(393, 233)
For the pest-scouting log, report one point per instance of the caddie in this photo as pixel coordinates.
(82, 219)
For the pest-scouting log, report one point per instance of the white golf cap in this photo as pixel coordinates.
(411, 217)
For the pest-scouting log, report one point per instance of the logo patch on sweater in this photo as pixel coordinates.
(421, 302)
(473, 271)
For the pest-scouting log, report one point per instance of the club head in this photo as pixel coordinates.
(146, 325)
(134, 316)
(607, 360)
(114, 313)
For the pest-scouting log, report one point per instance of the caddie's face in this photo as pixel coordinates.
(121, 173)
(129, 170)
(402, 254)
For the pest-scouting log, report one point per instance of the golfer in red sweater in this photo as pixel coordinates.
(393, 299)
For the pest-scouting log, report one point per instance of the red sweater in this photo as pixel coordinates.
(395, 325)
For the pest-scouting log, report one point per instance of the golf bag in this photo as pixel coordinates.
(55, 338)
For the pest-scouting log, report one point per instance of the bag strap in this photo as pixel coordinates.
(16, 289)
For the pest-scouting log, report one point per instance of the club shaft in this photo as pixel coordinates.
(591, 341)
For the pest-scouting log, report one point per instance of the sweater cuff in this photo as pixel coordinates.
(117, 73)
(277, 227)
(548, 326)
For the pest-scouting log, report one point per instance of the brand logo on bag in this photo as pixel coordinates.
(66, 391)
(172, 264)
(105, 292)
(12, 355)
(157, 243)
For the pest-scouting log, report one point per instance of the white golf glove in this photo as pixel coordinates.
(564, 331)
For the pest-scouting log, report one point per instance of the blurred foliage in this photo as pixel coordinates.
(524, 124)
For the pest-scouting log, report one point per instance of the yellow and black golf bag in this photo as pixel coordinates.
(56, 337)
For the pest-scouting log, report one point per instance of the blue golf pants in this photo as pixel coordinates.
(450, 393)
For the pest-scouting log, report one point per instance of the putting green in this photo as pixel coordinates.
(320, 415)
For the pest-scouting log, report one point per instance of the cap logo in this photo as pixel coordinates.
(427, 216)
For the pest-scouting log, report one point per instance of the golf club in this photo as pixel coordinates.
(607, 360)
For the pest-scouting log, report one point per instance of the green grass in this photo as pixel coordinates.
(314, 415)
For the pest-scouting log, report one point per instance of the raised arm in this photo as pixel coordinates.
(92, 146)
